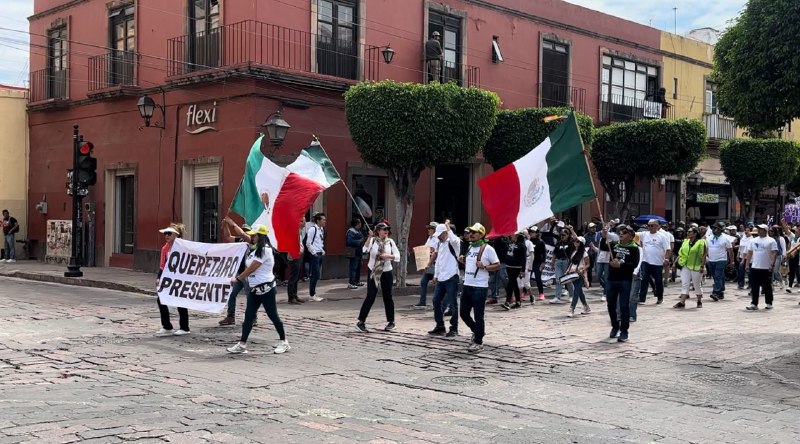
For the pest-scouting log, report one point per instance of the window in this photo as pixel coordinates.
(56, 85)
(629, 90)
(370, 196)
(554, 89)
(125, 217)
(337, 38)
(711, 98)
(497, 55)
(123, 46)
(449, 28)
(204, 42)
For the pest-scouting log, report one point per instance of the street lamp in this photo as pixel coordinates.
(146, 107)
(695, 178)
(276, 128)
(388, 54)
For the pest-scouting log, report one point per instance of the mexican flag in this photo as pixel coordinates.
(279, 197)
(551, 178)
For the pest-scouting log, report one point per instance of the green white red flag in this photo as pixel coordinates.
(278, 197)
(551, 178)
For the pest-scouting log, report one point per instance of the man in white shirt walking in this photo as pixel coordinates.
(480, 259)
(446, 278)
(760, 262)
(315, 242)
(427, 274)
(720, 255)
(656, 251)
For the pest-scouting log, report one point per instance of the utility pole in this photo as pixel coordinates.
(675, 15)
(74, 267)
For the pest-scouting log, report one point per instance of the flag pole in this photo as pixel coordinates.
(315, 139)
(589, 168)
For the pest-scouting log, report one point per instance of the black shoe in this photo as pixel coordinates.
(659, 300)
(446, 313)
(614, 333)
(506, 306)
(623, 337)
(438, 330)
(389, 327)
(721, 296)
(451, 333)
(714, 297)
(516, 305)
(360, 327)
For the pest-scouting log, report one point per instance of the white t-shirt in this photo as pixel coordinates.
(371, 247)
(529, 247)
(655, 246)
(473, 276)
(718, 247)
(761, 248)
(744, 245)
(264, 272)
(446, 263)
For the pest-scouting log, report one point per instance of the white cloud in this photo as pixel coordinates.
(14, 45)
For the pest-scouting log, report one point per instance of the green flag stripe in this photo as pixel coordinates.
(317, 154)
(247, 202)
(567, 171)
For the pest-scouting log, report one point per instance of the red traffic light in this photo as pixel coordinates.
(85, 148)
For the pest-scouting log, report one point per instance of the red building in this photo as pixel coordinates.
(221, 67)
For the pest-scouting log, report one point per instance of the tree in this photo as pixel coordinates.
(753, 165)
(626, 152)
(519, 130)
(405, 128)
(757, 66)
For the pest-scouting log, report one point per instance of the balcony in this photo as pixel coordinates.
(615, 108)
(464, 75)
(553, 94)
(255, 45)
(719, 128)
(48, 85)
(117, 68)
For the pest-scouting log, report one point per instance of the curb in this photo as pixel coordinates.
(81, 282)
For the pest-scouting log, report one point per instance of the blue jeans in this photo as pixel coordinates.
(741, 274)
(717, 270)
(9, 247)
(498, 280)
(355, 270)
(314, 266)
(636, 284)
(237, 287)
(619, 297)
(656, 271)
(560, 270)
(576, 288)
(445, 291)
(776, 270)
(474, 299)
(423, 288)
(602, 275)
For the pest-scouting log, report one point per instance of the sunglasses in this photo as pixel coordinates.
(169, 234)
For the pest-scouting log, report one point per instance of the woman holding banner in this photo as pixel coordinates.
(382, 252)
(174, 230)
(261, 280)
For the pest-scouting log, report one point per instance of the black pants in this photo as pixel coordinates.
(183, 316)
(281, 262)
(793, 262)
(255, 301)
(294, 277)
(760, 279)
(592, 260)
(537, 275)
(511, 286)
(474, 299)
(387, 279)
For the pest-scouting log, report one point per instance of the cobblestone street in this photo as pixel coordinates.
(81, 364)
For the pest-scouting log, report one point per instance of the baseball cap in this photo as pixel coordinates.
(258, 229)
(730, 227)
(561, 224)
(441, 228)
(762, 227)
(168, 230)
(533, 229)
(382, 226)
(582, 239)
(477, 228)
(591, 225)
(432, 224)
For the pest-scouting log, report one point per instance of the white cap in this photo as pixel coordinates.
(582, 239)
(591, 225)
(441, 228)
(561, 224)
(168, 230)
(616, 221)
(730, 227)
(763, 227)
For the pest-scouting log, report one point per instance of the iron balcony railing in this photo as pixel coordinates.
(719, 127)
(554, 94)
(616, 108)
(253, 42)
(117, 68)
(48, 84)
(464, 75)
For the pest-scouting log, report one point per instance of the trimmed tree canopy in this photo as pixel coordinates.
(519, 130)
(757, 66)
(625, 152)
(753, 165)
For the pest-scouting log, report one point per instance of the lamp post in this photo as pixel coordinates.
(388, 54)
(276, 129)
(147, 107)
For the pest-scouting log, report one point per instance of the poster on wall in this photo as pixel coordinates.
(59, 239)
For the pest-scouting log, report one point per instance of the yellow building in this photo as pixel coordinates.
(14, 152)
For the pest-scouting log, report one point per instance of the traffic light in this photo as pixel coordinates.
(87, 165)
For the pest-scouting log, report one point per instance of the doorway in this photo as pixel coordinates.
(453, 194)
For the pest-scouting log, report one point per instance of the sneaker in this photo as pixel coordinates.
(632, 320)
(554, 301)
(623, 337)
(181, 332)
(361, 328)
(419, 306)
(316, 298)
(452, 333)
(721, 296)
(603, 299)
(437, 331)
(571, 313)
(237, 349)
(163, 332)
(446, 313)
(2, 260)
(294, 301)
(11, 260)
(699, 304)
(282, 347)
(229, 320)
(752, 307)
(659, 300)
(491, 302)
(516, 305)
(714, 297)
(475, 348)
(768, 307)
(788, 290)
(541, 296)
(586, 310)
(613, 334)
(352, 287)
(506, 306)
(360, 284)
(389, 327)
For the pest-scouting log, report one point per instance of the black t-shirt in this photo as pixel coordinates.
(10, 225)
(563, 250)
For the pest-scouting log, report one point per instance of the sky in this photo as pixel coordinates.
(691, 14)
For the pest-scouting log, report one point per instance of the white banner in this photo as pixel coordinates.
(198, 276)
(548, 272)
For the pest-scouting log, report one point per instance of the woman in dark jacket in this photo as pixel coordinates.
(355, 241)
(515, 261)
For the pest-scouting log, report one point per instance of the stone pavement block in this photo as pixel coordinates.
(318, 426)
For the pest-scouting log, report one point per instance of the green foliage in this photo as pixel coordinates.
(519, 130)
(753, 165)
(410, 125)
(757, 66)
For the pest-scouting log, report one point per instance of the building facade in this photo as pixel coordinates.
(14, 166)
(220, 68)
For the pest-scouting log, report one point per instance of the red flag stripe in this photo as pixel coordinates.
(501, 196)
